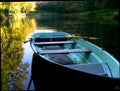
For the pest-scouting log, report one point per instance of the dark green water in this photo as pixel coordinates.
(16, 57)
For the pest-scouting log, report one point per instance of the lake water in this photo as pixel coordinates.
(16, 57)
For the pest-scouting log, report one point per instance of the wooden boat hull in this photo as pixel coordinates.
(47, 75)
(78, 63)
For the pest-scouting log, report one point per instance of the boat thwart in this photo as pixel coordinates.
(62, 58)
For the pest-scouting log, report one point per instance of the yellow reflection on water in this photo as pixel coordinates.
(13, 34)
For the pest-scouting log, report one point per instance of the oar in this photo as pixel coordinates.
(90, 38)
(28, 40)
(32, 39)
(72, 36)
(83, 37)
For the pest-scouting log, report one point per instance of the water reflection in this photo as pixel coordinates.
(13, 33)
(16, 77)
(16, 57)
(108, 32)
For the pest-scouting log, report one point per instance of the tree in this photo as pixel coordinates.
(16, 8)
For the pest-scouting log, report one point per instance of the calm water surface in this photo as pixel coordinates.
(16, 57)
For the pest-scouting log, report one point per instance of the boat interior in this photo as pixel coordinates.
(67, 53)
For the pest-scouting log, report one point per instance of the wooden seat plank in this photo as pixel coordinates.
(54, 43)
(64, 51)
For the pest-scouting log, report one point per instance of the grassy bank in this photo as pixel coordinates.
(107, 16)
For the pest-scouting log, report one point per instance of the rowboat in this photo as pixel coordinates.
(65, 61)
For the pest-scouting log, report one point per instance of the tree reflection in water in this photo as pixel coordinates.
(15, 82)
(13, 34)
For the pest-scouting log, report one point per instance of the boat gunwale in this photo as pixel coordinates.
(104, 51)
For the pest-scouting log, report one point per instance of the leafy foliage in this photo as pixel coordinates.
(76, 6)
(15, 8)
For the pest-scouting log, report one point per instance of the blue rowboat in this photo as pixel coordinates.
(64, 61)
